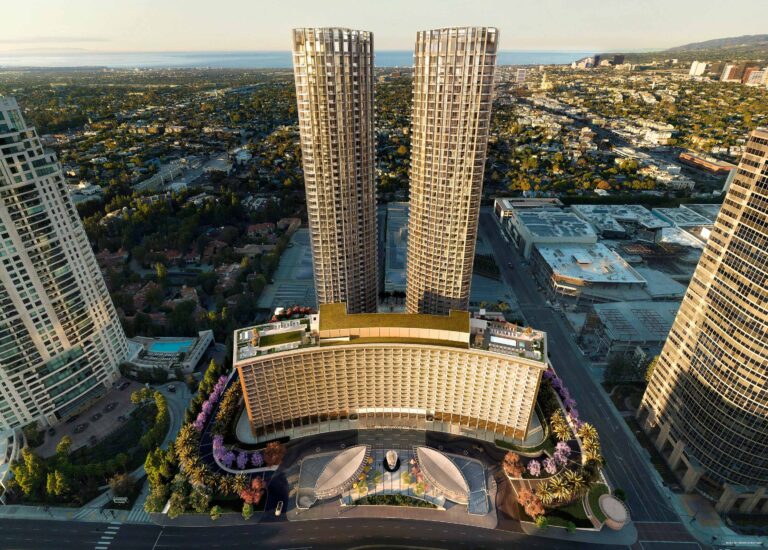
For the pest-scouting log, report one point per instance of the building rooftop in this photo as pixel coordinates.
(709, 211)
(615, 217)
(334, 326)
(553, 222)
(595, 263)
(335, 317)
(682, 216)
(637, 321)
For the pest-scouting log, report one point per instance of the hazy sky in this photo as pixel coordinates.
(203, 25)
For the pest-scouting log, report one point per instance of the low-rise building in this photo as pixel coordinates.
(584, 272)
(620, 328)
(620, 221)
(529, 227)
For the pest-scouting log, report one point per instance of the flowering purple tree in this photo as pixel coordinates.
(549, 374)
(570, 403)
(242, 460)
(565, 393)
(550, 466)
(257, 460)
(563, 448)
(557, 383)
(228, 459)
(534, 468)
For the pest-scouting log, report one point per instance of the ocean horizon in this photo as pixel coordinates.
(244, 59)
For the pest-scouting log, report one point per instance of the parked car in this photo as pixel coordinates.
(279, 508)
(172, 388)
(51, 431)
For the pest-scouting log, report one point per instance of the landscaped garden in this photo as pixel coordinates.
(72, 478)
(189, 477)
(552, 485)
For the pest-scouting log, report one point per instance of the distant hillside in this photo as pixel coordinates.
(734, 42)
(737, 48)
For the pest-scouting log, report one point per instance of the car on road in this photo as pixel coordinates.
(96, 417)
(72, 418)
(279, 508)
(51, 431)
(81, 428)
(172, 388)
(478, 448)
(111, 407)
(124, 385)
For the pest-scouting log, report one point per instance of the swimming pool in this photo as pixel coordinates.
(171, 347)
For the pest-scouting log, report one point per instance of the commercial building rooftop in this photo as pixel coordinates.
(682, 217)
(594, 263)
(709, 211)
(637, 321)
(553, 222)
(614, 218)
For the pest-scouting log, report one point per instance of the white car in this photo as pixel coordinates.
(279, 508)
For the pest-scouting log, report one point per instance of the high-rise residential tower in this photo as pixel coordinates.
(60, 339)
(452, 97)
(333, 69)
(707, 401)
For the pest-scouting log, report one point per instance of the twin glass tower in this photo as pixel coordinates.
(452, 97)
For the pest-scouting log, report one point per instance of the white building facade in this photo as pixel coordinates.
(60, 339)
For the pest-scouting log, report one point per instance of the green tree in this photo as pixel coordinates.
(161, 271)
(122, 485)
(247, 511)
(63, 447)
(29, 472)
(215, 513)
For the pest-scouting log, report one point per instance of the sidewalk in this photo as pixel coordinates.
(626, 536)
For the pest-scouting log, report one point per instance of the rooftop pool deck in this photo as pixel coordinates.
(175, 346)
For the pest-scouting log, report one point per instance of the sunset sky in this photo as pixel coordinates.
(197, 25)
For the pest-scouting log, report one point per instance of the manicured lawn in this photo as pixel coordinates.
(280, 338)
(594, 495)
(574, 512)
(560, 517)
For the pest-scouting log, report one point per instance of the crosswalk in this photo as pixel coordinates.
(137, 515)
(109, 535)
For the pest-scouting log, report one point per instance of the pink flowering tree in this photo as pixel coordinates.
(550, 466)
(534, 468)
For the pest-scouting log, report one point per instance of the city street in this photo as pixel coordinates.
(335, 533)
(625, 466)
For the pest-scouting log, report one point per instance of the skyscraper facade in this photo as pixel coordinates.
(333, 69)
(707, 401)
(452, 97)
(60, 339)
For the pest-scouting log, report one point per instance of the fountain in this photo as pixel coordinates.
(391, 461)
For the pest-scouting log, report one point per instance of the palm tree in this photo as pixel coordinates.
(587, 432)
(561, 491)
(576, 482)
(560, 426)
(592, 453)
(544, 492)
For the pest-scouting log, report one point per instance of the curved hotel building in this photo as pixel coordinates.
(337, 371)
(333, 69)
(706, 404)
(60, 339)
(452, 99)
